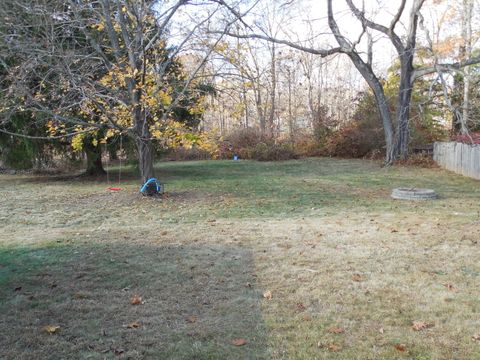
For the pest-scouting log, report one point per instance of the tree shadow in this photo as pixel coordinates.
(195, 300)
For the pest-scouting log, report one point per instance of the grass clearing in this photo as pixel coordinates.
(322, 235)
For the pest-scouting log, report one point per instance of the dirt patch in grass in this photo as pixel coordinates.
(322, 237)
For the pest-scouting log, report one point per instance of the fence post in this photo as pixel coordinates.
(460, 158)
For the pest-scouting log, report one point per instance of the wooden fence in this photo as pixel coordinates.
(461, 158)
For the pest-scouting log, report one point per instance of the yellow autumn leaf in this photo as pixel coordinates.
(268, 295)
(134, 325)
(136, 300)
(51, 329)
(238, 342)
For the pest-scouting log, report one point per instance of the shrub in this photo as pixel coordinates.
(306, 145)
(473, 138)
(250, 144)
(239, 142)
(355, 140)
(273, 152)
(194, 153)
(421, 159)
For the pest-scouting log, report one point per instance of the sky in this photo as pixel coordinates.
(305, 22)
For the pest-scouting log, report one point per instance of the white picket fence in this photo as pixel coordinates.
(461, 158)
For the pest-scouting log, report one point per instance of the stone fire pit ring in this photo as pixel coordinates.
(413, 194)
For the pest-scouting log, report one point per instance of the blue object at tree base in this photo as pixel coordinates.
(152, 187)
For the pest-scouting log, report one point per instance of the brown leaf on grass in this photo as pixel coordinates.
(79, 295)
(449, 286)
(334, 347)
(51, 329)
(136, 300)
(421, 325)
(268, 295)
(238, 342)
(476, 337)
(336, 330)
(394, 231)
(301, 307)
(357, 277)
(134, 325)
(307, 318)
(191, 319)
(118, 351)
(400, 347)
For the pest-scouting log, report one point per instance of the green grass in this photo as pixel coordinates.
(322, 235)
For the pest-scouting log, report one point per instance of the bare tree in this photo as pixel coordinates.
(397, 139)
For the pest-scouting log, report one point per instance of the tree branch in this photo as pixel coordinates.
(445, 67)
(397, 16)
(321, 52)
(396, 41)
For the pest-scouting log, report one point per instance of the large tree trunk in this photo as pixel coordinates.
(143, 140)
(94, 160)
(403, 104)
(145, 158)
(366, 71)
(382, 105)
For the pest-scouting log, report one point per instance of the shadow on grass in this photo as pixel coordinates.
(196, 300)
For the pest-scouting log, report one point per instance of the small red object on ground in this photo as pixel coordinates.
(114, 189)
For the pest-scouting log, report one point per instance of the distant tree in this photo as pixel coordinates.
(397, 135)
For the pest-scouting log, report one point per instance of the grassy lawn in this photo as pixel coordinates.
(349, 269)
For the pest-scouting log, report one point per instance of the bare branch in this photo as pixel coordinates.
(397, 16)
(396, 41)
(451, 67)
(321, 52)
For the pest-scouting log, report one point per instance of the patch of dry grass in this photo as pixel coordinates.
(322, 236)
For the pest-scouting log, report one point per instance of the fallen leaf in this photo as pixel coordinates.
(307, 318)
(301, 307)
(191, 319)
(381, 331)
(268, 295)
(118, 351)
(357, 277)
(80, 295)
(51, 329)
(136, 300)
(238, 342)
(334, 347)
(400, 347)
(421, 325)
(336, 330)
(164, 233)
(134, 325)
(476, 337)
(449, 286)
(394, 231)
